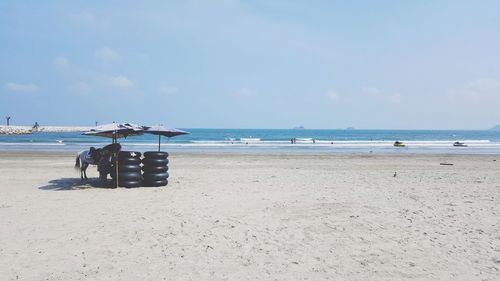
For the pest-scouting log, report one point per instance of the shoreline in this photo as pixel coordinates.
(58, 153)
(260, 153)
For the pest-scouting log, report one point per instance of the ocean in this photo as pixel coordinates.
(273, 141)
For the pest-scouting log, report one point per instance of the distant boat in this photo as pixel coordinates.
(399, 144)
(299, 128)
(460, 144)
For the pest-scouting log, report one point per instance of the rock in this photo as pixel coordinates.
(15, 130)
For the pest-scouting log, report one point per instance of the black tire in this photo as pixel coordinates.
(154, 162)
(129, 161)
(130, 183)
(155, 177)
(128, 168)
(155, 154)
(129, 176)
(154, 169)
(155, 183)
(129, 154)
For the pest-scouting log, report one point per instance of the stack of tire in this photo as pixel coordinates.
(129, 169)
(155, 168)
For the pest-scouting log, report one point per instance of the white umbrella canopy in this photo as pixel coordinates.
(161, 130)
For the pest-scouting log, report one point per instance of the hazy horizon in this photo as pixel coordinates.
(263, 128)
(252, 64)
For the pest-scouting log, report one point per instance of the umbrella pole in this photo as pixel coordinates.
(116, 161)
(159, 137)
(116, 165)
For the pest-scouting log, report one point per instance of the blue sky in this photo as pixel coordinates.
(252, 64)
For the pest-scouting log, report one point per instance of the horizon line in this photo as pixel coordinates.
(303, 128)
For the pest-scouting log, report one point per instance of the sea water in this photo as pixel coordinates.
(273, 141)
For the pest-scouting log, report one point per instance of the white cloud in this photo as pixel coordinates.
(121, 82)
(331, 94)
(168, 90)
(61, 62)
(107, 54)
(244, 92)
(26, 88)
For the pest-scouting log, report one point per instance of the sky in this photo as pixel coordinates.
(252, 64)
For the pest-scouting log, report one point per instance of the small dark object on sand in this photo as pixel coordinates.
(395, 174)
(446, 164)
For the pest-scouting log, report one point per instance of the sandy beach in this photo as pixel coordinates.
(255, 217)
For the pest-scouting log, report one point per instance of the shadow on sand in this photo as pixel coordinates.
(75, 184)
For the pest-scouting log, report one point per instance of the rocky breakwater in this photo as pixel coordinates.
(15, 130)
(23, 130)
(62, 129)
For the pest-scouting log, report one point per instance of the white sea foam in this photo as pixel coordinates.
(247, 140)
(270, 146)
(311, 142)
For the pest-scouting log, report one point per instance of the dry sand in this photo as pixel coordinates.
(255, 217)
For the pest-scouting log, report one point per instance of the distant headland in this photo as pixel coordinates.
(496, 128)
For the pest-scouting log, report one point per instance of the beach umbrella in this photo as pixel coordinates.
(116, 131)
(161, 130)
